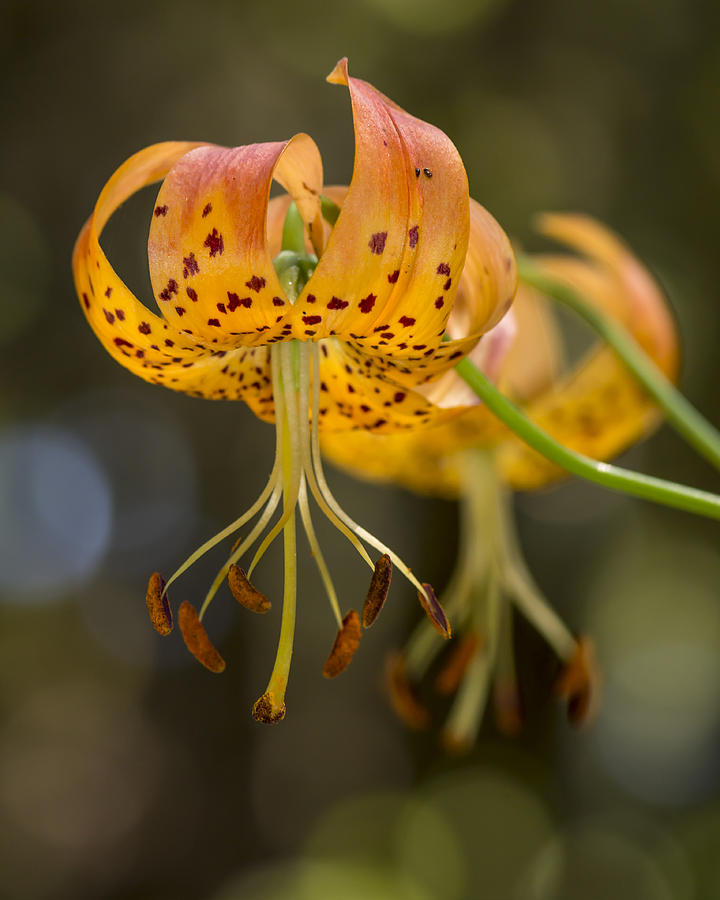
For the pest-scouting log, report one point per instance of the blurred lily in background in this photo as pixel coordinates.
(596, 408)
(341, 326)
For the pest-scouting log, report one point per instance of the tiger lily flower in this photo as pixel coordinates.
(330, 329)
(596, 408)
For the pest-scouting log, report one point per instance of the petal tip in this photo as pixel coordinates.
(339, 74)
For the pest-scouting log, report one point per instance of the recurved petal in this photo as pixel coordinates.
(138, 339)
(401, 237)
(210, 265)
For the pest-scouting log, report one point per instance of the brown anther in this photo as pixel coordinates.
(197, 640)
(378, 590)
(462, 653)
(158, 605)
(434, 611)
(346, 643)
(578, 683)
(402, 694)
(507, 708)
(245, 593)
(267, 711)
(454, 745)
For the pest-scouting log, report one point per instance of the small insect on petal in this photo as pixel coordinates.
(462, 653)
(158, 605)
(403, 696)
(434, 611)
(267, 710)
(378, 590)
(346, 643)
(246, 594)
(197, 640)
(578, 683)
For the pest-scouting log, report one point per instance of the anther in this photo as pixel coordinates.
(507, 708)
(197, 640)
(267, 710)
(402, 694)
(245, 593)
(378, 590)
(158, 605)
(346, 643)
(578, 683)
(462, 653)
(434, 611)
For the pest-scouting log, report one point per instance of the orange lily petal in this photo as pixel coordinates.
(401, 237)
(210, 266)
(142, 341)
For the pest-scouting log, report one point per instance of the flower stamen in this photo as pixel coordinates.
(197, 640)
(346, 643)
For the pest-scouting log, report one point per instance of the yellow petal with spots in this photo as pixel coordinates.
(138, 339)
(400, 240)
(210, 266)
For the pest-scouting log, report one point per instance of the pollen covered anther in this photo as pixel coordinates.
(434, 611)
(403, 696)
(267, 710)
(245, 593)
(346, 643)
(462, 652)
(158, 605)
(197, 640)
(578, 683)
(378, 590)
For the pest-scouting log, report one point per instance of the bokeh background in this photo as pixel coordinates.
(126, 770)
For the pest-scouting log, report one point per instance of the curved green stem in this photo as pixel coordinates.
(293, 234)
(664, 492)
(686, 420)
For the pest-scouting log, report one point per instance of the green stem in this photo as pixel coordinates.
(686, 420)
(665, 492)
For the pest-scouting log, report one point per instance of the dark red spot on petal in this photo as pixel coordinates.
(377, 242)
(312, 320)
(192, 294)
(278, 301)
(86, 300)
(121, 342)
(221, 308)
(413, 237)
(394, 276)
(439, 303)
(120, 314)
(399, 396)
(161, 210)
(180, 310)
(367, 303)
(191, 265)
(337, 303)
(144, 328)
(406, 321)
(310, 298)
(169, 343)
(109, 316)
(214, 322)
(446, 286)
(387, 335)
(443, 269)
(419, 346)
(214, 242)
(234, 301)
(207, 210)
(256, 283)
(108, 292)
